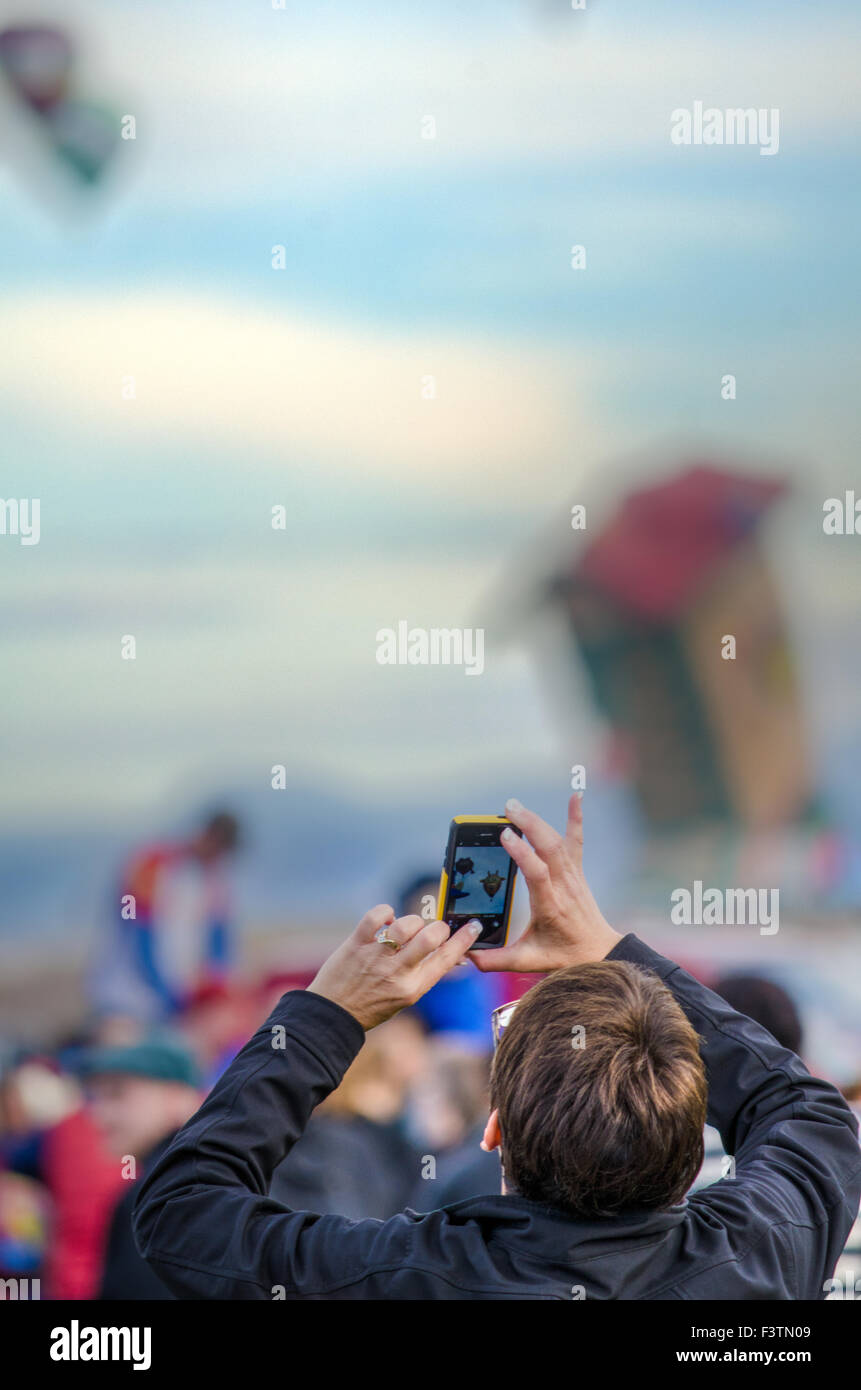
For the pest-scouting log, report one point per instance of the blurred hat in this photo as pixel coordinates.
(157, 1059)
(212, 992)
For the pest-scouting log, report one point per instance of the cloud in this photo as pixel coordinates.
(278, 386)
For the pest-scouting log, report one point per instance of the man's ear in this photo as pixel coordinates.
(492, 1133)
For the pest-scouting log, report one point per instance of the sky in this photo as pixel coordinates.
(405, 258)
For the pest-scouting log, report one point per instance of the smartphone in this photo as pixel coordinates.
(478, 878)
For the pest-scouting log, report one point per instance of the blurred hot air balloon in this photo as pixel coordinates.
(662, 636)
(39, 65)
(649, 600)
(37, 61)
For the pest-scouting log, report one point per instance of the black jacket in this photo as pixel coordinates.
(347, 1165)
(125, 1275)
(774, 1231)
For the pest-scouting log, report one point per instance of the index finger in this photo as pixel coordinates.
(574, 830)
(440, 961)
(546, 841)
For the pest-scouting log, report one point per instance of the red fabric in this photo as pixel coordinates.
(84, 1181)
(665, 541)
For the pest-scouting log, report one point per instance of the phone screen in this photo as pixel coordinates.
(480, 882)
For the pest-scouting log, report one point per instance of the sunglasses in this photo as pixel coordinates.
(499, 1021)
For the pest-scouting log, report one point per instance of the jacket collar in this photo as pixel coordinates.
(519, 1221)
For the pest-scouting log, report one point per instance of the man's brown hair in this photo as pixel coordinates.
(601, 1092)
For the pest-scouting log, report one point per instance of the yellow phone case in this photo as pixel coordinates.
(443, 882)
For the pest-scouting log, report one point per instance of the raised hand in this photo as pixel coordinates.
(566, 926)
(373, 981)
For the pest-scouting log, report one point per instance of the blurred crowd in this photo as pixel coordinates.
(83, 1119)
